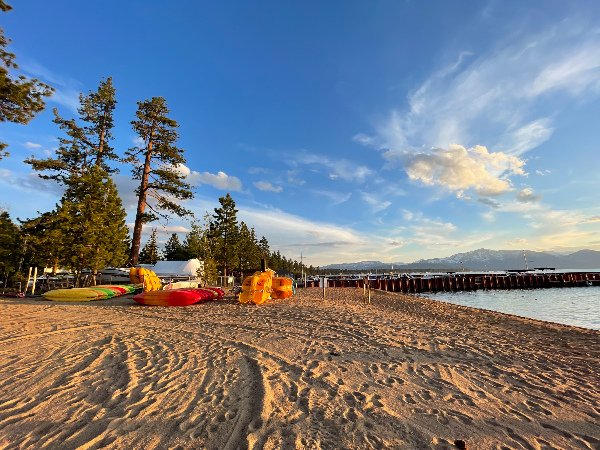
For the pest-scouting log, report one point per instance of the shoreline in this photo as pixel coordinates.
(404, 372)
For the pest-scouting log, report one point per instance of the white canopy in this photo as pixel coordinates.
(177, 268)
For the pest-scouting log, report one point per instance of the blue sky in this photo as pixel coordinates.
(345, 130)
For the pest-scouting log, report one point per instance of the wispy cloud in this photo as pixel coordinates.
(258, 170)
(593, 219)
(67, 90)
(375, 203)
(291, 233)
(336, 198)
(267, 186)
(339, 168)
(32, 145)
(491, 98)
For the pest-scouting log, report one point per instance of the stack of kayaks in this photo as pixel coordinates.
(257, 288)
(260, 286)
(87, 294)
(141, 275)
(178, 297)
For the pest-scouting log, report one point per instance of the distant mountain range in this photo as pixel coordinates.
(484, 259)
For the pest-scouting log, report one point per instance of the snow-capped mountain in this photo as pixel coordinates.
(484, 259)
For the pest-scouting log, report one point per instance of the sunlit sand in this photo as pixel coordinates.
(402, 372)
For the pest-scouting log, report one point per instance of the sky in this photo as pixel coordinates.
(344, 130)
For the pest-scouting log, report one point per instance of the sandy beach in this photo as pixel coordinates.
(402, 372)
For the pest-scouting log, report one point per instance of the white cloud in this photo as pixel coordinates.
(526, 195)
(32, 145)
(219, 180)
(459, 169)
(266, 186)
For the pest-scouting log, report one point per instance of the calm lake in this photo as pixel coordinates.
(579, 306)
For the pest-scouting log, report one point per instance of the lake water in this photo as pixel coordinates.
(579, 306)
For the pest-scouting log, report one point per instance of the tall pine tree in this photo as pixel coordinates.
(156, 164)
(86, 144)
(20, 98)
(224, 232)
(89, 223)
(92, 224)
(248, 251)
(198, 244)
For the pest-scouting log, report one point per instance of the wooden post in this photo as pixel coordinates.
(34, 280)
(365, 290)
(27, 282)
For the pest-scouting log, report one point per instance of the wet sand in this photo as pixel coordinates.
(402, 372)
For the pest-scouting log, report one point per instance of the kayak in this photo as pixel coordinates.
(174, 297)
(74, 295)
(100, 292)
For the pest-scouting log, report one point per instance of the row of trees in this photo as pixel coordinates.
(87, 229)
(224, 245)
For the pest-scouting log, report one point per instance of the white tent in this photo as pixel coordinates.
(178, 268)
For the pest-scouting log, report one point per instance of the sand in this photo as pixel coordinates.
(402, 372)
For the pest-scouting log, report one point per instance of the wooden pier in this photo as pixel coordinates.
(454, 282)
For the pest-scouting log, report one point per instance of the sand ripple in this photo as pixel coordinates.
(402, 373)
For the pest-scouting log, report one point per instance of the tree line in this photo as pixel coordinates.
(226, 246)
(86, 230)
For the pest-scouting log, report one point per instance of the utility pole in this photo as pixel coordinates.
(525, 258)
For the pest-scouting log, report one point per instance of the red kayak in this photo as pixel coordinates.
(174, 297)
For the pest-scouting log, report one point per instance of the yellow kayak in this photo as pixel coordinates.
(99, 292)
(74, 295)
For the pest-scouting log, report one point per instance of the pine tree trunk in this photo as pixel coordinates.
(100, 145)
(139, 222)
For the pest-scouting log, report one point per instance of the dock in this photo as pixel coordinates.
(454, 282)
